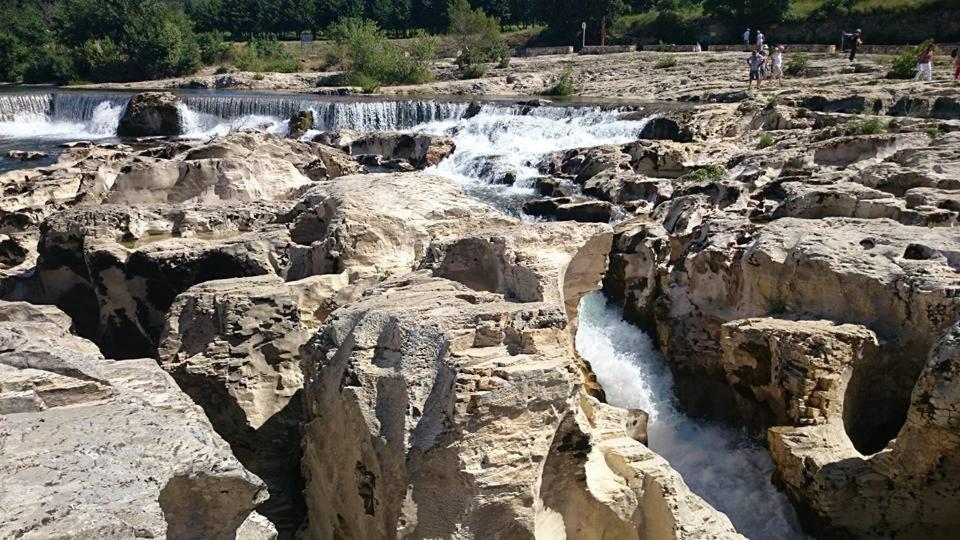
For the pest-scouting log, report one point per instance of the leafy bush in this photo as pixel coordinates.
(214, 49)
(473, 71)
(370, 59)
(797, 64)
(665, 61)
(51, 63)
(904, 65)
(663, 47)
(476, 35)
(872, 126)
(702, 173)
(266, 54)
(765, 140)
(564, 85)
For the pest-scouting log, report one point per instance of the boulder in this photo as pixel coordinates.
(379, 224)
(233, 346)
(26, 155)
(420, 149)
(585, 211)
(102, 449)
(905, 490)
(300, 123)
(150, 114)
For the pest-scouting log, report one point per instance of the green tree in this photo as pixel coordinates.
(565, 16)
(476, 35)
(756, 12)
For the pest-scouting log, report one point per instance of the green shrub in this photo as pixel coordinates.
(473, 71)
(663, 47)
(476, 35)
(222, 70)
(665, 61)
(797, 64)
(51, 63)
(258, 76)
(564, 85)
(702, 173)
(101, 60)
(214, 49)
(266, 54)
(765, 140)
(369, 59)
(872, 126)
(904, 65)
(504, 62)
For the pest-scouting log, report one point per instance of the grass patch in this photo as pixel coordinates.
(765, 140)
(703, 173)
(873, 126)
(665, 62)
(564, 85)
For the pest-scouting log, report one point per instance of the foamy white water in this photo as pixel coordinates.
(515, 141)
(723, 465)
(101, 124)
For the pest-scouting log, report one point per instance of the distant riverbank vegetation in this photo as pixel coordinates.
(394, 41)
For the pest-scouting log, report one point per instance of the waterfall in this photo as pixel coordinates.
(509, 138)
(205, 116)
(721, 464)
(60, 116)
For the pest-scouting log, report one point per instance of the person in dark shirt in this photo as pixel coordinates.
(856, 40)
(756, 63)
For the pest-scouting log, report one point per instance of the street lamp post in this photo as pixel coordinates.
(583, 34)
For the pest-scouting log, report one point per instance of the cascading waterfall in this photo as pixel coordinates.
(721, 464)
(205, 116)
(60, 116)
(514, 139)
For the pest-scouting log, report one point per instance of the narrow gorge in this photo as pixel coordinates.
(254, 316)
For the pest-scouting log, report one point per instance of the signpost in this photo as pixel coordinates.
(583, 33)
(305, 37)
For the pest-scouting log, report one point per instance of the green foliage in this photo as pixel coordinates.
(797, 64)
(264, 53)
(665, 61)
(703, 173)
(873, 126)
(760, 12)
(765, 140)
(371, 60)
(904, 65)
(476, 35)
(214, 48)
(564, 85)
(473, 71)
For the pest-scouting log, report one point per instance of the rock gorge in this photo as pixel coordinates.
(364, 333)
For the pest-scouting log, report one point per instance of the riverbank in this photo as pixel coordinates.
(706, 76)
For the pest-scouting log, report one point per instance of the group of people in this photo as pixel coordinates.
(765, 65)
(925, 64)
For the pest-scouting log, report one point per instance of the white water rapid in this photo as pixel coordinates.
(513, 139)
(723, 465)
(60, 116)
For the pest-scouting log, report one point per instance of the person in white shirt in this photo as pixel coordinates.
(760, 38)
(746, 37)
(776, 64)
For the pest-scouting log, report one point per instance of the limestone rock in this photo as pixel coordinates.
(300, 123)
(233, 346)
(798, 369)
(106, 449)
(150, 113)
(420, 150)
(379, 224)
(907, 489)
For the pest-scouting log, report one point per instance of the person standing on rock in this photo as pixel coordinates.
(925, 64)
(755, 62)
(855, 42)
(746, 38)
(956, 64)
(776, 64)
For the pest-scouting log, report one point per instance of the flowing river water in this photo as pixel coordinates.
(723, 465)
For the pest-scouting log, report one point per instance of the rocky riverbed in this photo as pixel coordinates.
(251, 335)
